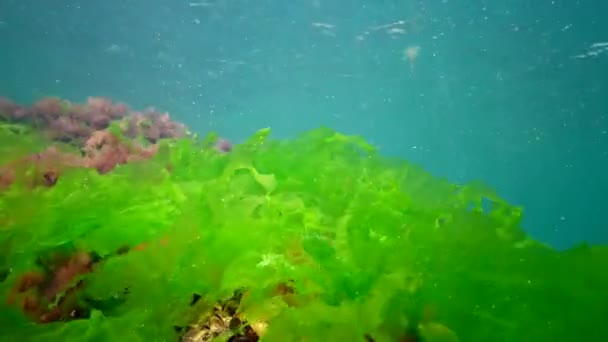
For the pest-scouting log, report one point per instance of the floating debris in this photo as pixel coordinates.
(410, 54)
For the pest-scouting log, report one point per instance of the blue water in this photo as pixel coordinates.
(509, 92)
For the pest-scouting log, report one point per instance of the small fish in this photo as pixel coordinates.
(200, 4)
(325, 26)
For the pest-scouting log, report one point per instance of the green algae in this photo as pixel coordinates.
(367, 241)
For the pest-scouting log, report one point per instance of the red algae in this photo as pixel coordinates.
(85, 126)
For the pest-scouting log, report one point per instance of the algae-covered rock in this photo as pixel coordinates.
(435, 332)
(363, 242)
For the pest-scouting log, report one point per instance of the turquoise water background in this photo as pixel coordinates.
(509, 92)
